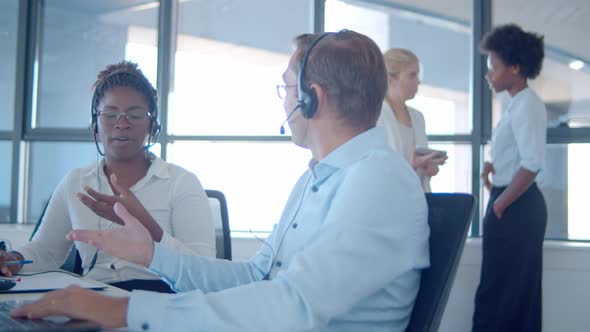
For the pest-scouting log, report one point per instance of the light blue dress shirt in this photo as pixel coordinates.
(346, 255)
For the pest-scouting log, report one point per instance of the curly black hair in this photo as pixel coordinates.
(514, 46)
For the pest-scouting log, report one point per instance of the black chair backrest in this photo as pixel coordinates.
(220, 217)
(449, 217)
(73, 262)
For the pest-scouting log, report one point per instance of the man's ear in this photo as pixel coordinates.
(321, 94)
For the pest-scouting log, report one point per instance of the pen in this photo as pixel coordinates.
(18, 262)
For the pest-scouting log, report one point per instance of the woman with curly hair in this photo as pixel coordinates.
(509, 296)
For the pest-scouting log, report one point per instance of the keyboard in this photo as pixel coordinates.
(8, 323)
(50, 324)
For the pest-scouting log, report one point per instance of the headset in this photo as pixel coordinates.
(155, 126)
(308, 100)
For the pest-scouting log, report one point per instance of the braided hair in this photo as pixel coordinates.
(125, 74)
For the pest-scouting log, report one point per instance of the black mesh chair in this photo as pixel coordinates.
(220, 217)
(74, 262)
(449, 217)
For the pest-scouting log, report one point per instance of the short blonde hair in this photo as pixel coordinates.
(397, 59)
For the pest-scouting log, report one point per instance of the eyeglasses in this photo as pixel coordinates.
(112, 117)
(282, 90)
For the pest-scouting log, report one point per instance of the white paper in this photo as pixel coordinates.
(51, 281)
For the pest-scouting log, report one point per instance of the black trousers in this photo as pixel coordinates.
(149, 285)
(509, 296)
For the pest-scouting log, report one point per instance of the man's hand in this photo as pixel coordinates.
(79, 303)
(132, 242)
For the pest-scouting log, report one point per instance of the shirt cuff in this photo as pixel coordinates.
(161, 264)
(160, 256)
(142, 317)
(531, 166)
(168, 241)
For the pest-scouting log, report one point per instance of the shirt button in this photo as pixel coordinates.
(294, 226)
(314, 189)
(279, 263)
(145, 326)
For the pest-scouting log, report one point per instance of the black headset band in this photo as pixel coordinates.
(307, 99)
(305, 57)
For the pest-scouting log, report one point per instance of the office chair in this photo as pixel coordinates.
(449, 217)
(74, 262)
(220, 217)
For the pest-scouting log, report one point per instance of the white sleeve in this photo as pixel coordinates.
(49, 248)
(190, 218)
(529, 125)
(421, 141)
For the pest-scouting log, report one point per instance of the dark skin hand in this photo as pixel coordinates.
(521, 181)
(102, 205)
(485, 174)
(9, 270)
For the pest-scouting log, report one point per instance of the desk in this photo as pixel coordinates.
(109, 290)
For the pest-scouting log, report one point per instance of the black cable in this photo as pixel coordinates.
(49, 271)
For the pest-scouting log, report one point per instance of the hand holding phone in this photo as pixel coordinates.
(428, 160)
(420, 151)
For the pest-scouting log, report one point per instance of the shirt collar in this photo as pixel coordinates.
(157, 168)
(520, 94)
(348, 153)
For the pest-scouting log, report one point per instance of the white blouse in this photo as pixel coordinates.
(519, 138)
(395, 139)
(172, 195)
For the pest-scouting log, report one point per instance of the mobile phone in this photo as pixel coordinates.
(424, 151)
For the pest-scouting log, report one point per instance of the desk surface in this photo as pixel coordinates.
(109, 290)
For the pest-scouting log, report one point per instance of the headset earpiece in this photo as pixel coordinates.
(310, 103)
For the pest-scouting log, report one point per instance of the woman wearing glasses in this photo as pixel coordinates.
(168, 200)
(404, 125)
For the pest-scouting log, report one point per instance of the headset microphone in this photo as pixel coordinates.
(287, 119)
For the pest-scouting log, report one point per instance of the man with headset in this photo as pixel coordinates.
(350, 245)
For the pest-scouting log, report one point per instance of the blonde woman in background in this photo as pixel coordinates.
(404, 126)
